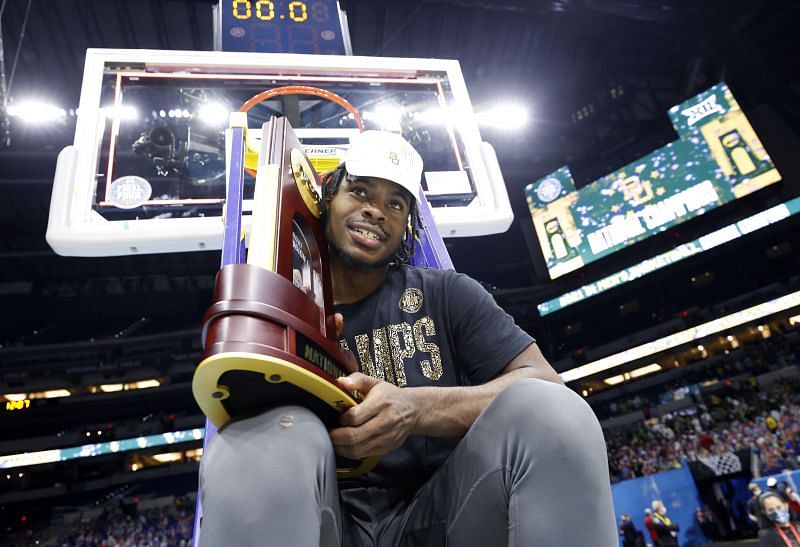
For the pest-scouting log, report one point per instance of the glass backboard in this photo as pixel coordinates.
(146, 173)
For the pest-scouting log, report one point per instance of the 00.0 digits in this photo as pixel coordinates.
(265, 10)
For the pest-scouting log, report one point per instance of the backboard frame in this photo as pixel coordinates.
(75, 228)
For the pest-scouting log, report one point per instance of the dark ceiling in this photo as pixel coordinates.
(555, 56)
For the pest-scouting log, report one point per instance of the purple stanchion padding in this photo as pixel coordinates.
(232, 253)
(430, 250)
(232, 247)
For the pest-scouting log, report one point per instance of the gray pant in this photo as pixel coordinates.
(531, 471)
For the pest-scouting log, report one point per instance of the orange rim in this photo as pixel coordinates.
(301, 90)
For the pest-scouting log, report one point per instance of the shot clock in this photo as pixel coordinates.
(281, 26)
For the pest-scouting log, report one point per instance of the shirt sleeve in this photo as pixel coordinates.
(485, 337)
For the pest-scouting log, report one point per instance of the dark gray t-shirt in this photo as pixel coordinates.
(427, 327)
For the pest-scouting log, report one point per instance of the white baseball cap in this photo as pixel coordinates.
(387, 156)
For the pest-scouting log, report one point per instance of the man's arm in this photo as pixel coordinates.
(390, 414)
(450, 412)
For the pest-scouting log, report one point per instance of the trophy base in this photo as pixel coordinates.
(242, 383)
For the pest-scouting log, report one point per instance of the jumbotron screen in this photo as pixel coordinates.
(717, 158)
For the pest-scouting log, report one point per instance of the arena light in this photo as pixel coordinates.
(36, 112)
(145, 384)
(387, 116)
(179, 113)
(213, 114)
(55, 393)
(15, 396)
(683, 337)
(100, 449)
(167, 457)
(503, 116)
(614, 380)
(110, 388)
(121, 112)
(435, 116)
(794, 320)
(643, 371)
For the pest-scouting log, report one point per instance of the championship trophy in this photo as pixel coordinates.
(269, 336)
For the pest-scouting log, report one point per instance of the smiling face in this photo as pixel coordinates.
(366, 222)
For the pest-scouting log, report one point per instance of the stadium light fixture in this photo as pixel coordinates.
(614, 380)
(110, 388)
(27, 459)
(121, 112)
(15, 396)
(643, 371)
(167, 457)
(387, 116)
(36, 112)
(144, 384)
(693, 334)
(55, 393)
(213, 114)
(509, 116)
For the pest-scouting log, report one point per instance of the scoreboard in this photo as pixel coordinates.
(316, 27)
(717, 158)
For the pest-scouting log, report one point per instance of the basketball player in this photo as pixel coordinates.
(480, 441)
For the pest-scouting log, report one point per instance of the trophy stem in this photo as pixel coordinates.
(266, 206)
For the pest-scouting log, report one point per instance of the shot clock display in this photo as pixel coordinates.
(281, 26)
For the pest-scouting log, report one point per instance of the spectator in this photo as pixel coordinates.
(707, 523)
(754, 507)
(648, 523)
(630, 535)
(666, 530)
(790, 496)
(781, 532)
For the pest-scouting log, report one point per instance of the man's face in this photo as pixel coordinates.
(366, 221)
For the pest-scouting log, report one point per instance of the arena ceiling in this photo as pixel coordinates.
(558, 56)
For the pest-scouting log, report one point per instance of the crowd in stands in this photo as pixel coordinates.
(738, 414)
(740, 418)
(751, 359)
(163, 527)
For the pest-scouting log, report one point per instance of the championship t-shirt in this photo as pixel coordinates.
(427, 327)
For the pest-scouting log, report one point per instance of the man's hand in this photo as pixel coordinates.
(379, 424)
